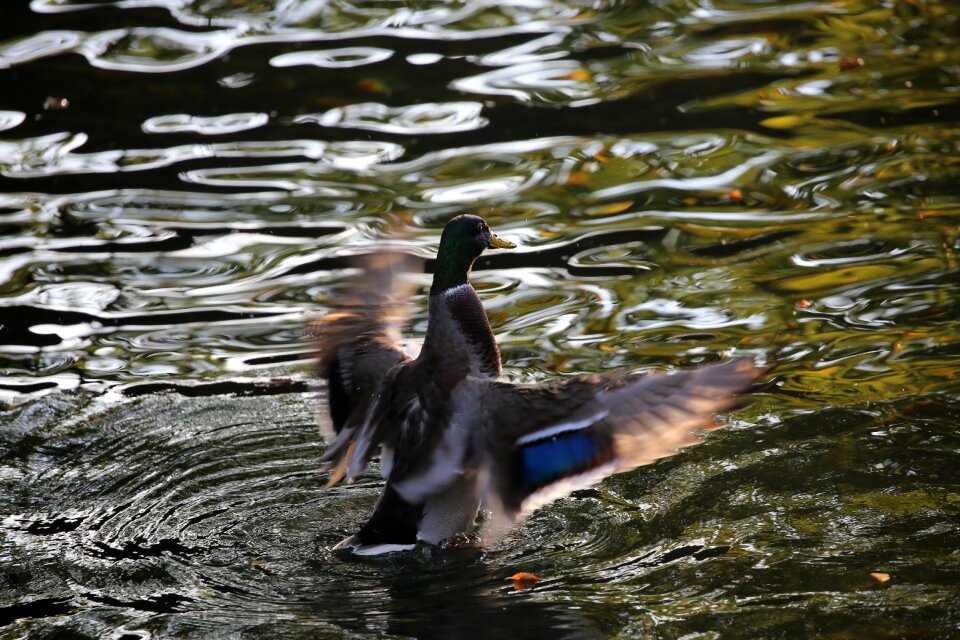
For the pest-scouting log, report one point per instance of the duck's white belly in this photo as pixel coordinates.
(450, 512)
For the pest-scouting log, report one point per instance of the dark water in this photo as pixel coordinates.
(182, 184)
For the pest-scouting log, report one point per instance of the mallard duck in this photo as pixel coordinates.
(452, 435)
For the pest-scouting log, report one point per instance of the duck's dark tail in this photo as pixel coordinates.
(393, 527)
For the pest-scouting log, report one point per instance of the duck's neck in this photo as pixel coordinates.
(452, 269)
(459, 340)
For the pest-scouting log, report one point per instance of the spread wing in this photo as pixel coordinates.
(535, 443)
(358, 355)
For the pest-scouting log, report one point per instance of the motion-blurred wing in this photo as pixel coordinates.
(553, 439)
(357, 355)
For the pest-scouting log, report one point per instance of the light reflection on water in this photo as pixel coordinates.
(183, 185)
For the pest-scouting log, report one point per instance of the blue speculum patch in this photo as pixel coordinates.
(562, 456)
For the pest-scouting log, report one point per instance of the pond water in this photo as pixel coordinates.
(182, 184)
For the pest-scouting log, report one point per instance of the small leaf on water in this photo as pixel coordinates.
(611, 207)
(524, 580)
(879, 577)
(580, 75)
(785, 122)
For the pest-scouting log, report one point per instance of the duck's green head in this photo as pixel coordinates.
(463, 240)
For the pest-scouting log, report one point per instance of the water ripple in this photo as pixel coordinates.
(133, 49)
(551, 82)
(685, 182)
(55, 154)
(11, 119)
(474, 191)
(417, 119)
(344, 58)
(209, 126)
(46, 43)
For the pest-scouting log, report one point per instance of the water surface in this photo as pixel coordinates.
(182, 185)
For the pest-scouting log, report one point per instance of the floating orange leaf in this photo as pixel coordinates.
(580, 75)
(578, 177)
(610, 207)
(524, 580)
(786, 122)
(879, 577)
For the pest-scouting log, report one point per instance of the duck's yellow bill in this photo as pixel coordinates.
(499, 243)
